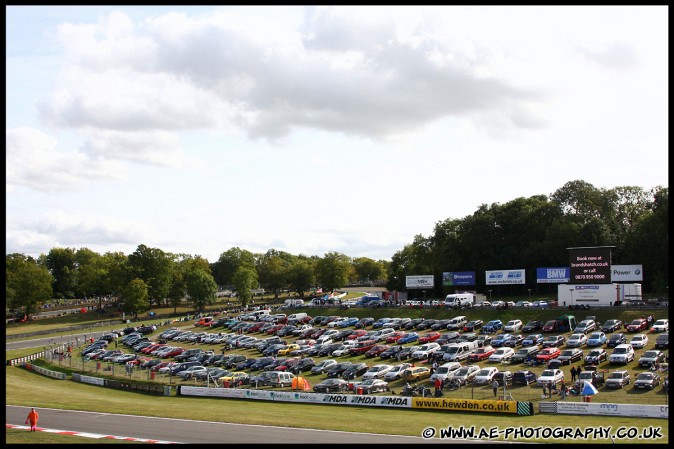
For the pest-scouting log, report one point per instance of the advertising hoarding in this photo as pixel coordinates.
(590, 265)
(627, 273)
(420, 282)
(501, 277)
(558, 275)
(450, 278)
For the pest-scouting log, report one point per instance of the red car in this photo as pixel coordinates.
(257, 327)
(429, 337)
(376, 350)
(548, 354)
(362, 347)
(482, 353)
(174, 352)
(357, 333)
(397, 335)
(152, 347)
(275, 328)
(639, 324)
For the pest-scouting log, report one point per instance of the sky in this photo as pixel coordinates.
(317, 129)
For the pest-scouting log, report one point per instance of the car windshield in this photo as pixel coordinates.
(650, 354)
(567, 352)
(595, 336)
(660, 322)
(462, 372)
(645, 376)
(616, 376)
(548, 373)
(620, 350)
(636, 322)
(592, 353)
(483, 372)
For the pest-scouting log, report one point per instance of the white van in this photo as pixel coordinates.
(457, 323)
(295, 317)
(460, 351)
(281, 379)
(258, 313)
(458, 300)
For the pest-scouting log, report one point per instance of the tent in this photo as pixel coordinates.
(301, 383)
(588, 391)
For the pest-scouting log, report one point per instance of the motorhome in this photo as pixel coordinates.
(459, 300)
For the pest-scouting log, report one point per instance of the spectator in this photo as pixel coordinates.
(494, 386)
(573, 373)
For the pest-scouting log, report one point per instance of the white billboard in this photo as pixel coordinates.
(627, 273)
(422, 282)
(500, 277)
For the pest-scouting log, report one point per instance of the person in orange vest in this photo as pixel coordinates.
(32, 418)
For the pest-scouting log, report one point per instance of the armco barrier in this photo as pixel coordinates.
(605, 409)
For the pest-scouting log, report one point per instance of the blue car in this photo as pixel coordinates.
(596, 339)
(492, 326)
(349, 322)
(500, 340)
(533, 340)
(408, 338)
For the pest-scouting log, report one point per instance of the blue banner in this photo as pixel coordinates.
(451, 278)
(559, 275)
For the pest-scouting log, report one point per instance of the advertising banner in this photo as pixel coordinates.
(501, 277)
(450, 278)
(590, 265)
(627, 273)
(559, 275)
(421, 282)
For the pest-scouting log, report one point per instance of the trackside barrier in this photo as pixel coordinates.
(47, 372)
(605, 409)
(463, 405)
(40, 355)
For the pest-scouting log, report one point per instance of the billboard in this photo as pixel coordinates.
(627, 273)
(458, 278)
(559, 275)
(591, 265)
(421, 282)
(500, 277)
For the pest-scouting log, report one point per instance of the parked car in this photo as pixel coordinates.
(331, 385)
(525, 353)
(662, 341)
(408, 338)
(616, 339)
(425, 351)
(639, 341)
(651, 357)
(372, 386)
(524, 377)
(514, 341)
(585, 327)
(465, 374)
(596, 356)
(661, 325)
(485, 376)
(504, 378)
(499, 340)
(647, 380)
(622, 354)
(377, 371)
(533, 340)
(492, 327)
(553, 341)
(482, 353)
(417, 373)
(502, 355)
(472, 325)
(533, 326)
(445, 371)
(596, 339)
(548, 354)
(637, 325)
(618, 379)
(355, 370)
(612, 325)
(429, 337)
(513, 326)
(396, 372)
(323, 366)
(576, 340)
(550, 375)
(568, 356)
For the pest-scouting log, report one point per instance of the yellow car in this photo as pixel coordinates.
(234, 379)
(288, 349)
(417, 373)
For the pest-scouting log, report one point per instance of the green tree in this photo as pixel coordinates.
(245, 280)
(201, 288)
(229, 262)
(136, 297)
(367, 270)
(272, 272)
(27, 284)
(333, 270)
(63, 267)
(153, 266)
(301, 276)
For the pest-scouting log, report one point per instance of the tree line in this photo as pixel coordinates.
(523, 233)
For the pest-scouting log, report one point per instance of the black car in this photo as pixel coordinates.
(532, 326)
(616, 339)
(364, 322)
(426, 324)
(662, 341)
(331, 385)
(413, 323)
(504, 377)
(611, 326)
(472, 326)
(303, 365)
(338, 369)
(524, 377)
(391, 353)
(407, 351)
(440, 324)
(231, 360)
(355, 370)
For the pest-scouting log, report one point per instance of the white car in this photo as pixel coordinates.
(425, 350)
(576, 341)
(445, 371)
(623, 353)
(377, 371)
(661, 325)
(513, 326)
(639, 341)
(396, 372)
(501, 354)
(585, 326)
(485, 376)
(522, 304)
(550, 375)
(466, 374)
(342, 350)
